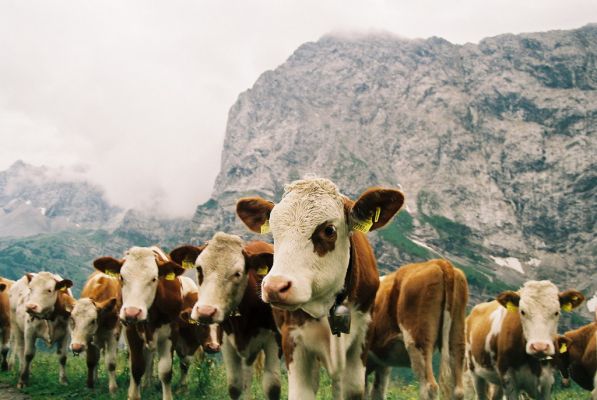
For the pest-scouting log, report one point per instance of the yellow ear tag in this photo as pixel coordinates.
(170, 276)
(511, 306)
(192, 321)
(265, 227)
(64, 288)
(111, 273)
(567, 307)
(262, 271)
(362, 226)
(563, 348)
(377, 212)
(186, 264)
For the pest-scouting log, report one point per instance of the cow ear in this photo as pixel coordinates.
(29, 277)
(2, 287)
(185, 314)
(63, 284)
(509, 299)
(108, 265)
(375, 208)
(106, 306)
(170, 269)
(570, 299)
(69, 304)
(261, 262)
(254, 212)
(186, 255)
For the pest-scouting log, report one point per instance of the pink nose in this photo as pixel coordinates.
(31, 307)
(539, 347)
(276, 289)
(77, 347)
(212, 347)
(206, 313)
(132, 313)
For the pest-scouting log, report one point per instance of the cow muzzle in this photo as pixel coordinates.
(211, 347)
(77, 348)
(540, 349)
(205, 314)
(132, 315)
(277, 289)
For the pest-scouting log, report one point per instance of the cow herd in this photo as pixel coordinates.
(314, 297)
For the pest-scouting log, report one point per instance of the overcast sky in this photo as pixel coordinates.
(139, 91)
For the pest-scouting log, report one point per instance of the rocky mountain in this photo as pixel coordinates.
(493, 143)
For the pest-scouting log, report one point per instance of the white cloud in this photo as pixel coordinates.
(140, 90)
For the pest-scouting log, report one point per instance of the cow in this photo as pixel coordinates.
(191, 336)
(511, 340)
(417, 308)
(230, 270)
(581, 357)
(151, 304)
(5, 285)
(323, 271)
(40, 309)
(95, 326)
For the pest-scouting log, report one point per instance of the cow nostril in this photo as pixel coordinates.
(286, 287)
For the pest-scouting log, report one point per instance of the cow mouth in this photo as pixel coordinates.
(39, 315)
(285, 306)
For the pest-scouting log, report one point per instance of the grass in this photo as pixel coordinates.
(207, 380)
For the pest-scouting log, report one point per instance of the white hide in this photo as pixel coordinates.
(315, 280)
(187, 285)
(139, 282)
(540, 303)
(224, 275)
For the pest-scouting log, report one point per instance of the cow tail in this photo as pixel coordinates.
(445, 372)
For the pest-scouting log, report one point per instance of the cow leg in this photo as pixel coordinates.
(148, 375)
(594, 392)
(14, 348)
(111, 347)
(271, 374)
(164, 352)
(61, 349)
(303, 375)
(93, 356)
(421, 362)
(28, 354)
(353, 376)
(185, 363)
(4, 348)
(234, 369)
(136, 362)
(509, 387)
(481, 387)
(380, 383)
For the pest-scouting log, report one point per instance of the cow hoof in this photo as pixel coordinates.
(113, 389)
(63, 381)
(20, 385)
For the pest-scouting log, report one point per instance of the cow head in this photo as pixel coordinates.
(139, 272)
(539, 304)
(224, 265)
(84, 320)
(44, 288)
(311, 227)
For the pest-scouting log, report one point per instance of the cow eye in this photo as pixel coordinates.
(237, 274)
(49, 290)
(522, 312)
(329, 231)
(154, 279)
(557, 313)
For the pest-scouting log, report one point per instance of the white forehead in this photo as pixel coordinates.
(139, 262)
(306, 204)
(539, 295)
(84, 308)
(43, 280)
(223, 250)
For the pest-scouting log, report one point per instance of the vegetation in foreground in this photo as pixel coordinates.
(207, 380)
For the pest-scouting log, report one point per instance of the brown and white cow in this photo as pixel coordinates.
(191, 336)
(418, 308)
(95, 327)
(151, 304)
(5, 285)
(229, 296)
(40, 309)
(580, 359)
(511, 341)
(323, 265)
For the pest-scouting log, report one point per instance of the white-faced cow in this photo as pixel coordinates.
(511, 341)
(40, 309)
(323, 270)
(94, 325)
(151, 304)
(229, 296)
(5, 285)
(190, 336)
(418, 308)
(580, 359)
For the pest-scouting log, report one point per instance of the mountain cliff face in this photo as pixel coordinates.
(493, 144)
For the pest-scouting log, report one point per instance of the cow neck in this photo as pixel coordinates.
(338, 315)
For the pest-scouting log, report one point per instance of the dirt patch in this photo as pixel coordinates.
(8, 392)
